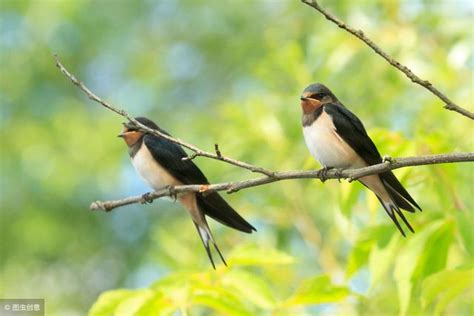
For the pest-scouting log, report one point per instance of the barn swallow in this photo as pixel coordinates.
(160, 163)
(338, 139)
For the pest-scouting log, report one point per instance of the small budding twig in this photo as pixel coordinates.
(218, 152)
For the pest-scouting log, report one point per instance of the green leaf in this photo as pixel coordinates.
(435, 252)
(179, 279)
(445, 285)
(158, 305)
(220, 299)
(359, 255)
(317, 290)
(381, 259)
(349, 194)
(423, 254)
(108, 301)
(251, 255)
(131, 304)
(251, 287)
(465, 221)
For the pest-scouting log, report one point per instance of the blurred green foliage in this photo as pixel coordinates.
(230, 72)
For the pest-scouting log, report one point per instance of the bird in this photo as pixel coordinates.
(159, 162)
(337, 139)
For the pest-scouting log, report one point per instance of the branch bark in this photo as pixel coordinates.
(196, 151)
(269, 176)
(350, 174)
(449, 105)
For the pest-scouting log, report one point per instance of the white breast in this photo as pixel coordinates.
(151, 171)
(328, 147)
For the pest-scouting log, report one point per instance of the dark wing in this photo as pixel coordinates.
(215, 206)
(351, 129)
(170, 155)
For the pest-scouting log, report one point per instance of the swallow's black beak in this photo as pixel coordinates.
(303, 99)
(125, 129)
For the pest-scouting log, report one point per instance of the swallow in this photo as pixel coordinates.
(160, 163)
(337, 139)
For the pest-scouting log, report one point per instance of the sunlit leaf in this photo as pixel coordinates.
(107, 302)
(381, 259)
(251, 287)
(435, 252)
(444, 286)
(465, 222)
(349, 195)
(120, 302)
(221, 300)
(158, 305)
(358, 257)
(253, 255)
(371, 237)
(132, 304)
(317, 290)
(410, 259)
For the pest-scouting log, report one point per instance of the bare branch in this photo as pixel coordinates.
(230, 187)
(138, 125)
(350, 174)
(449, 105)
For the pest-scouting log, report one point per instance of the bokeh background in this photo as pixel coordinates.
(231, 72)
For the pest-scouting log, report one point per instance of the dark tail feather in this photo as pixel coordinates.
(206, 236)
(398, 193)
(389, 208)
(216, 207)
(396, 209)
(398, 199)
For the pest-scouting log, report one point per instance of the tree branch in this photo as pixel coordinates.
(269, 176)
(449, 105)
(350, 174)
(141, 127)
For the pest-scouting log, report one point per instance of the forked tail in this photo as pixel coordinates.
(206, 238)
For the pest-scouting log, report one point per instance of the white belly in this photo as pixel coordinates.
(327, 147)
(151, 171)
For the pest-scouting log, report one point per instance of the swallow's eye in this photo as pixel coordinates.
(129, 130)
(318, 96)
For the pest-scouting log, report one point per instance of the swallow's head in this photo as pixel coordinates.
(315, 96)
(131, 135)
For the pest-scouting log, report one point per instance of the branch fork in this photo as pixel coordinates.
(322, 174)
(269, 176)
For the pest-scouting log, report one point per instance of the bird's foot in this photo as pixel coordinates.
(323, 173)
(146, 198)
(338, 173)
(172, 192)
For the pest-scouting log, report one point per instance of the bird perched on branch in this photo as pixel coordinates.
(337, 139)
(160, 163)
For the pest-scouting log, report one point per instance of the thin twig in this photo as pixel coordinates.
(450, 105)
(230, 187)
(138, 125)
(351, 174)
(218, 151)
